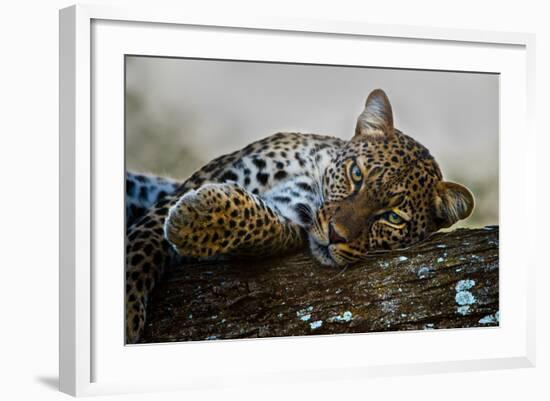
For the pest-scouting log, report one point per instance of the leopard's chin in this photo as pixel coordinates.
(325, 254)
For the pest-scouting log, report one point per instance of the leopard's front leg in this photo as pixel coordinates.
(227, 220)
(214, 220)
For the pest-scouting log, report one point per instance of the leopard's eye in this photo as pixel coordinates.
(394, 218)
(355, 172)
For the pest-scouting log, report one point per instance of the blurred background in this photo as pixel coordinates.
(181, 113)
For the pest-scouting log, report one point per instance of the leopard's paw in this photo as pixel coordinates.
(211, 220)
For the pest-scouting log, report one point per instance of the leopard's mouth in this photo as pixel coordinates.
(340, 254)
(326, 254)
(321, 253)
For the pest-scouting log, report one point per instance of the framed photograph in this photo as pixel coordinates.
(272, 200)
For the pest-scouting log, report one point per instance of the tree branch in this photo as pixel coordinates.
(447, 281)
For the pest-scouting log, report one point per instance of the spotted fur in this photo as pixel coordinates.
(380, 190)
(143, 191)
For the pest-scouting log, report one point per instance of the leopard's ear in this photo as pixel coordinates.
(453, 202)
(376, 120)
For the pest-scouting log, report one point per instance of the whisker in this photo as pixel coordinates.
(305, 212)
(353, 254)
(349, 257)
(317, 224)
(340, 273)
(305, 208)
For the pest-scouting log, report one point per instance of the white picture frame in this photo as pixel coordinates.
(93, 357)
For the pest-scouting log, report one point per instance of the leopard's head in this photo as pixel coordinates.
(382, 191)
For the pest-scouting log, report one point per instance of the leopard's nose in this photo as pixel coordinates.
(333, 235)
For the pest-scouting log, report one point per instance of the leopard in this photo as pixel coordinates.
(343, 200)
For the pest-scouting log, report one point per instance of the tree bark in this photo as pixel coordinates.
(447, 281)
